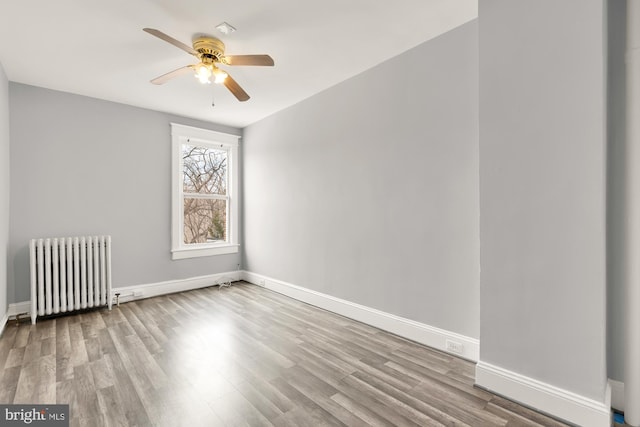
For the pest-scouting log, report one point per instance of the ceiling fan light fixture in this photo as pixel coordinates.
(225, 28)
(203, 73)
(219, 75)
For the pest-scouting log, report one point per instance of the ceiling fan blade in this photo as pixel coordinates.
(262, 60)
(171, 40)
(235, 89)
(171, 74)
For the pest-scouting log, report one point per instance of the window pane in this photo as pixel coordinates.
(205, 220)
(204, 170)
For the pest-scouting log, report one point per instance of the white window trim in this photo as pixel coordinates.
(181, 134)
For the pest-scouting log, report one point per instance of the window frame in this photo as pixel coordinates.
(181, 135)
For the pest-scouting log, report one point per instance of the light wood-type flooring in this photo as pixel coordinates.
(240, 356)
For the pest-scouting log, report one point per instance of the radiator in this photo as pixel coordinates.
(70, 273)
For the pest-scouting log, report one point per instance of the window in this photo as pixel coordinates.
(204, 196)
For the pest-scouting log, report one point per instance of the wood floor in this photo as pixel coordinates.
(240, 356)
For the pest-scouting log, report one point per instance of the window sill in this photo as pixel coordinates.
(204, 251)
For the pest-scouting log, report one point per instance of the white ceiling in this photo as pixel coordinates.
(97, 47)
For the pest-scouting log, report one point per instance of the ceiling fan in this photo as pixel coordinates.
(210, 53)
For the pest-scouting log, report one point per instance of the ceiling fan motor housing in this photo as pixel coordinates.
(209, 48)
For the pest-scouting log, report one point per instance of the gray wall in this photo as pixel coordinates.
(85, 166)
(542, 191)
(368, 191)
(4, 188)
(617, 27)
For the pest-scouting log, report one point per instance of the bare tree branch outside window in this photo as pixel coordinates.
(205, 194)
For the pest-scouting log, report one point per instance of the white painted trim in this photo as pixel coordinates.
(181, 134)
(204, 135)
(617, 395)
(407, 328)
(134, 292)
(12, 310)
(204, 251)
(148, 290)
(4, 321)
(544, 397)
(19, 308)
(632, 210)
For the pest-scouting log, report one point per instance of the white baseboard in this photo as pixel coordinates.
(18, 308)
(560, 403)
(407, 328)
(617, 395)
(134, 292)
(12, 310)
(129, 293)
(4, 321)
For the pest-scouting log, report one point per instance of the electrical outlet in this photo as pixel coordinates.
(455, 347)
